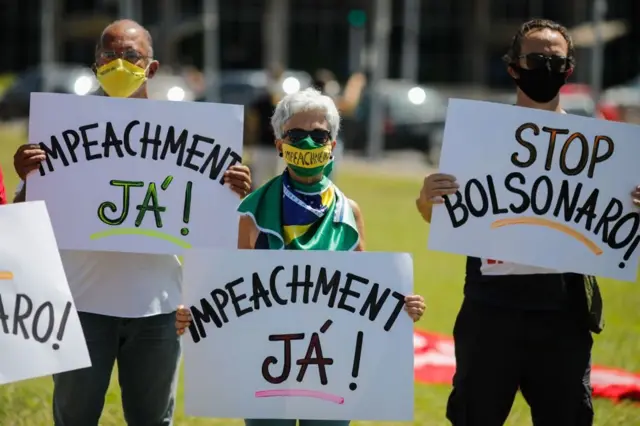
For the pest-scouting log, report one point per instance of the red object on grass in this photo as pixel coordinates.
(435, 363)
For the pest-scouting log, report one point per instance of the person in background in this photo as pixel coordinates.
(3, 192)
(125, 301)
(302, 209)
(194, 78)
(325, 81)
(523, 327)
(260, 138)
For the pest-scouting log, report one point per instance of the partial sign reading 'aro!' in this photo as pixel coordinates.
(136, 175)
(540, 188)
(40, 333)
(326, 329)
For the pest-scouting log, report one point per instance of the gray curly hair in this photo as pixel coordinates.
(305, 100)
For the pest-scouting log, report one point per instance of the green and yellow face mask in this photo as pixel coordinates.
(306, 157)
(120, 78)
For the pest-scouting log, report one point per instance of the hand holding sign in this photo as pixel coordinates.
(183, 319)
(436, 186)
(27, 159)
(415, 307)
(238, 177)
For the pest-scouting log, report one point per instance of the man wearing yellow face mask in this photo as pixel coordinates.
(125, 301)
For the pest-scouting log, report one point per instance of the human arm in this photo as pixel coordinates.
(348, 102)
(357, 213)
(434, 187)
(247, 233)
(21, 192)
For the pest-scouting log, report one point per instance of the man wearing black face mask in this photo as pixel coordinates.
(540, 60)
(522, 327)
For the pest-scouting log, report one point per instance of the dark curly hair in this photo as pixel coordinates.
(538, 24)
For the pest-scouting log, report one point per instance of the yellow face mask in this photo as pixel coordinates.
(120, 78)
(308, 158)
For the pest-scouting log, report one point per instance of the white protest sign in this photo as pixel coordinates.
(298, 335)
(540, 188)
(136, 175)
(40, 333)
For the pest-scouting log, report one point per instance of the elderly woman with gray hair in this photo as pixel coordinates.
(302, 209)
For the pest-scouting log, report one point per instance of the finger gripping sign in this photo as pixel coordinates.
(290, 335)
(541, 189)
(136, 175)
(40, 333)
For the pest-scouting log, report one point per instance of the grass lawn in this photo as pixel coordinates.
(392, 225)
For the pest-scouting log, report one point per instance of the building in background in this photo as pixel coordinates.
(461, 41)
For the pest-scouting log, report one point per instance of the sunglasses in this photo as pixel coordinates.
(554, 63)
(128, 55)
(318, 135)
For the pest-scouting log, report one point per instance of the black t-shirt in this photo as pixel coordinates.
(522, 287)
(516, 286)
(263, 106)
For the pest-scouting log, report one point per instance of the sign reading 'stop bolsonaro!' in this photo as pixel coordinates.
(540, 188)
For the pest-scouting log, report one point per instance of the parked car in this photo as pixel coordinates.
(414, 118)
(626, 101)
(63, 78)
(170, 87)
(577, 99)
(242, 87)
(80, 80)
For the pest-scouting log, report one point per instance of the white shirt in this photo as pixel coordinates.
(128, 285)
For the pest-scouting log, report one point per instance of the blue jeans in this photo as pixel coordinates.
(284, 422)
(148, 353)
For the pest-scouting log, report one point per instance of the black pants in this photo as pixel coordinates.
(544, 354)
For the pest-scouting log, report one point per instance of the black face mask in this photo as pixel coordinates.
(540, 85)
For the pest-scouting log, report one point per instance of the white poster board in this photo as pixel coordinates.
(136, 175)
(40, 333)
(339, 316)
(540, 188)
